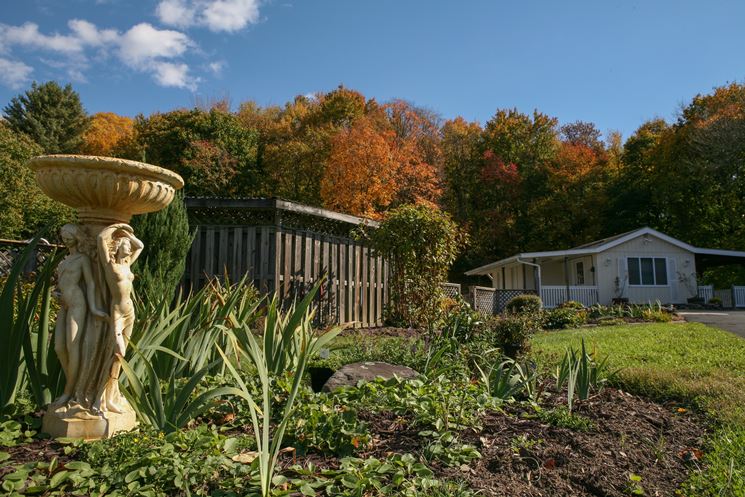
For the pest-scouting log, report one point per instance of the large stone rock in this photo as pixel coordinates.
(351, 374)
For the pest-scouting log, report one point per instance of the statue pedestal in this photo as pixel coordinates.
(61, 424)
(97, 315)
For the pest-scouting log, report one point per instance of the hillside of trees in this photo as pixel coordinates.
(520, 182)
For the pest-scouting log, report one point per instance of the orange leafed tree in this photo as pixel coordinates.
(107, 130)
(360, 176)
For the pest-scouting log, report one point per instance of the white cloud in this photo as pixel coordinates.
(143, 43)
(28, 35)
(14, 73)
(217, 67)
(216, 15)
(142, 48)
(175, 13)
(89, 34)
(176, 75)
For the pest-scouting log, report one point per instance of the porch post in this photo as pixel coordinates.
(537, 277)
(566, 276)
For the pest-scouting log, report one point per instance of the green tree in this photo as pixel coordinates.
(167, 241)
(51, 115)
(212, 151)
(633, 191)
(24, 209)
(420, 244)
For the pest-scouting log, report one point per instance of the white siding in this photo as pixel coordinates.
(612, 274)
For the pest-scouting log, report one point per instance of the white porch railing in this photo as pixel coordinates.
(706, 292)
(738, 292)
(552, 296)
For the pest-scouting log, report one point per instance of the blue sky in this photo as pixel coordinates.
(615, 63)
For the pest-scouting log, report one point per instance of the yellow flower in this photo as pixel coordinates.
(681, 409)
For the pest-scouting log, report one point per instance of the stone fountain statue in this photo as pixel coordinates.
(96, 314)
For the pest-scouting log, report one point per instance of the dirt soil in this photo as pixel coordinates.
(630, 435)
(525, 457)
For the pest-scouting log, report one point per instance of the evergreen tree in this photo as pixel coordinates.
(50, 115)
(167, 241)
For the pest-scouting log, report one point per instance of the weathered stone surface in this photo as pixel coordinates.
(95, 427)
(351, 374)
(97, 315)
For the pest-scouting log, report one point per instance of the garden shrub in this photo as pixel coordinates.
(511, 333)
(572, 304)
(167, 242)
(459, 320)
(524, 304)
(420, 243)
(561, 317)
(656, 315)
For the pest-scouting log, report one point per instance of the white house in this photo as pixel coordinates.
(640, 266)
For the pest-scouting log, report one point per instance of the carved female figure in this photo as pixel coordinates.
(78, 300)
(118, 249)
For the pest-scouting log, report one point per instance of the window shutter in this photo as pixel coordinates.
(621, 276)
(672, 280)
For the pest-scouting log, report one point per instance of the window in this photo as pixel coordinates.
(647, 271)
(580, 273)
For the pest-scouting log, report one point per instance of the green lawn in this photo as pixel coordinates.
(692, 363)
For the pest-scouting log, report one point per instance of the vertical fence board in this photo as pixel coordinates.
(289, 262)
(251, 253)
(264, 256)
(287, 267)
(209, 251)
(316, 258)
(357, 278)
(365, 293)
(334, 280)
(222, 252)
(236, 255)
(379, 291)
(343, 274)
(371, 318)
(196, 254)
(349, 308)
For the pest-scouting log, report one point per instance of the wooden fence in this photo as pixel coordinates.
(287, 252)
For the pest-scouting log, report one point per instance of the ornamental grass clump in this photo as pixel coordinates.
(507, 379)
(27, 358)
(582, 374)
(287, 344)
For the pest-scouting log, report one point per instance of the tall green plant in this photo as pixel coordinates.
(17, 310)
(581, 373)
(167, 241)
(45, 376)
(287, 344)
(163, 401)
(420, 243)
(193, 326)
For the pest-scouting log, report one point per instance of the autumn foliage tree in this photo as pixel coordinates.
(361, 171)
(106, 133)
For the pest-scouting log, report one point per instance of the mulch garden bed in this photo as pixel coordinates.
(523, 456)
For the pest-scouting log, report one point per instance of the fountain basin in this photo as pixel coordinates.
(105, 190)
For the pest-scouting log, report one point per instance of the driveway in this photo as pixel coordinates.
(733, 321)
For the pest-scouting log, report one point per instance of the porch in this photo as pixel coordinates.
(494, 300)
(731, 298)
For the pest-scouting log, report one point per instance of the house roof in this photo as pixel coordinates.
(603, 245)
